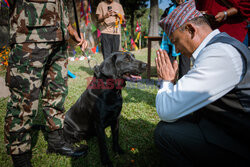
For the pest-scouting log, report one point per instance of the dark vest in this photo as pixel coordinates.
(226, 122)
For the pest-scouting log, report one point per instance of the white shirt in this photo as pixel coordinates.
(217, 69)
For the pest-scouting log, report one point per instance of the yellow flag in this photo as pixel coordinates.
(138, 37)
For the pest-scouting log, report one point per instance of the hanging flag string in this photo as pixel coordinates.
(6, 2)
(82, 9)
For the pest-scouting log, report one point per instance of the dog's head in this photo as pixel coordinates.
(121, 65)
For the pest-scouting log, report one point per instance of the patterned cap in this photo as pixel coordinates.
(180, 15)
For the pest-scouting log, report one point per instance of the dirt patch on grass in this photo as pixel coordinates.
(4, 91)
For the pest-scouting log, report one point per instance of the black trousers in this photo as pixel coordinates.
(183, 145)
(110, 43)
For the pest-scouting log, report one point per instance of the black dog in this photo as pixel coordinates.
(101, 103)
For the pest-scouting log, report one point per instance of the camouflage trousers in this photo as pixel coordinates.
(36, 71)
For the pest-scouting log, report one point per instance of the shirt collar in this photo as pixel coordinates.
(204, 42)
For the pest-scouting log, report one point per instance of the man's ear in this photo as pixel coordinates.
(190, 29)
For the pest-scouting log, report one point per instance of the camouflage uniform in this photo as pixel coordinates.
(37, 65)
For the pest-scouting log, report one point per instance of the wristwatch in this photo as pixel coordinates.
(225, 15)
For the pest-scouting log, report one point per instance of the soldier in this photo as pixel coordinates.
(37, 70)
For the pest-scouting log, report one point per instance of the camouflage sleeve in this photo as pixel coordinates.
(66, 12)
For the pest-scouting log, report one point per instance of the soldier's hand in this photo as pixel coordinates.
(82, 42)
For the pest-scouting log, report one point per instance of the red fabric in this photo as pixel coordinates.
(244, 8)
(234, 26)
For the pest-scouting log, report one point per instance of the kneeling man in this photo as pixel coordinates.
(205, 116)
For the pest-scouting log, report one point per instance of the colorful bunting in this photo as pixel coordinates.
(87, 19)
(97, 49)
(133, 44)
(82, 12)
(138, 37)
(93, 28)
(87, 14)
(6, 1)
(138, 28)
(98, 33)
(124, 24)
(93, 50)
(89, 8)
(4, 4)
(74, 24)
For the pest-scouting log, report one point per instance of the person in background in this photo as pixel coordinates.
(109, 14)
(184, 62)
(205, 115)
(230, 16)
(38, 70)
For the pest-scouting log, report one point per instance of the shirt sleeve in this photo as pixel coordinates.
(121, 10)
(99, 10)
(216, 71)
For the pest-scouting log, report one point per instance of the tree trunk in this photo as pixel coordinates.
(154, 19)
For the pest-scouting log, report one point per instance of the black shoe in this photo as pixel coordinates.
(57, 144)
(22, 160)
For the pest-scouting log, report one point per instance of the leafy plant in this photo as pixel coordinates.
(78, 51)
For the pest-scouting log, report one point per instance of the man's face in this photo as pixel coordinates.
(179, 2)
(183, 42)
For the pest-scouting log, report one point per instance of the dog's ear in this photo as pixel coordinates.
(108, 66)
(114, 56)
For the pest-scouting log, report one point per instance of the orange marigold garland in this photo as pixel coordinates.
(4, 56)
(119, 16)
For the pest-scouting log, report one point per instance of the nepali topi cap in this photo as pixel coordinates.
(180, 15)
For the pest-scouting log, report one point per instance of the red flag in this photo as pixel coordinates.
(93, 50)
(87, 19)
(132, 41)
(89, 8)
(87, 14)
(82, 9)
(137, 27)
(98, 33)
(7, 3)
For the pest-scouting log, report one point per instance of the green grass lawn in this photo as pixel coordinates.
(137, 123)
